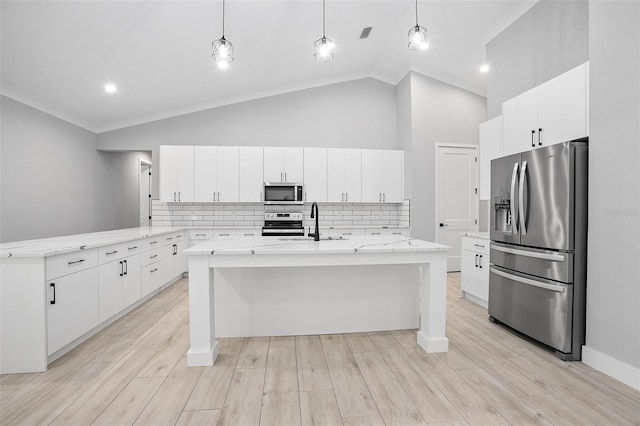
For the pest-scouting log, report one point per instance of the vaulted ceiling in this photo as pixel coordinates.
(58, 55)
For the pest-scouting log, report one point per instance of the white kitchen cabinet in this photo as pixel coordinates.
(216, 174)
(151, 277)
(562, 107)
(520, 122)
(131, 281)
(283, 164)
(251, 179)
(387, 231)
(382, 176)
(175, 261)
(176, 173)
(474, 276)
(110, 277)
(344, 175)
(491, 147)
(553, 112)
(315, 174)
(72, 307)
(118, 285)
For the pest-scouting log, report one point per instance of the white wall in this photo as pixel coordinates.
(613, 290)
(550, 38)
(355, 114)
(53, 181)
(440, 113)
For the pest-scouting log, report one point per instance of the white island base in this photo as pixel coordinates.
(270, 287)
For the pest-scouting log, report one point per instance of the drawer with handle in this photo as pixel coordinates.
(110, 253)
(477, 245)
(200, 235)
(68, 263)
(151, 256)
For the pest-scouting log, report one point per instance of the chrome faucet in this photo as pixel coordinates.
(314, 214)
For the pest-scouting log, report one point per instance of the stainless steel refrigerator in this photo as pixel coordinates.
(538, 228)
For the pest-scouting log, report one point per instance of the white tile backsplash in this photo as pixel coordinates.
(238, 215)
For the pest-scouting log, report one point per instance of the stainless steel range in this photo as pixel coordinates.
(283, 223)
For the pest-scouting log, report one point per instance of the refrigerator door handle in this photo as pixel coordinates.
(527, 281)
(523, 221)
(514, 220)
(545, 256)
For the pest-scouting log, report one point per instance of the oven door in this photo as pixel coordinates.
(282, 193)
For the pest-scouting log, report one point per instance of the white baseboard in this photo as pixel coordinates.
(625, 373)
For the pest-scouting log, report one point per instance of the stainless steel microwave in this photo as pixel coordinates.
(283, 193)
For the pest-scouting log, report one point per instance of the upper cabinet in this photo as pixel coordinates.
(216, 173)
(490, 148)
(283, 164)
(382, 176)
(251, 178)
(176, 173)
(211, 174)
(315, 174)
(554, 112)
(344, 175)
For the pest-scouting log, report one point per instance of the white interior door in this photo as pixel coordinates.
(144, 193)
(457, 198)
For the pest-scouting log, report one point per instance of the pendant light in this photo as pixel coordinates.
(418, 35)
(323, 47)
(222, 49)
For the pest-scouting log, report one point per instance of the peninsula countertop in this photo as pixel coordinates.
(305, 245)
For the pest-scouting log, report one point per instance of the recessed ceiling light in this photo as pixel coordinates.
(110, 88)
(484, 68)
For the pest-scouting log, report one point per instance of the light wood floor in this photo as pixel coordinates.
(135, 372)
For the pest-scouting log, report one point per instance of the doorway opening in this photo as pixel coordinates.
(144, 192)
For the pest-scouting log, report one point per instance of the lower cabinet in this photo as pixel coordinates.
(474, 276)
(72, 307)
(151, 277)
(118, 286)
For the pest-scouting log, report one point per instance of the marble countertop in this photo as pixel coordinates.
(305, 245)
(481, 235)
(57, 245)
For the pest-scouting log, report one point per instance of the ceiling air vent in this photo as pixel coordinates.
(365, 32)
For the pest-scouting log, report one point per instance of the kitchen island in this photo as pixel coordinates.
(274, 286)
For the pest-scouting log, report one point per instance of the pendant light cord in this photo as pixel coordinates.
(323, 11)
(416, 12)
(223, 18)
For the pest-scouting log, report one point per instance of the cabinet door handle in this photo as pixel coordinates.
(480, 262)
(133, 248)
(476, 260)
(75, 261)
(178, 196)
(214, 196)
(346, 197)
(478, 245)
(305, 195)
(224, 235)
(153, 270)
(533, 132)
(111, 252)
(174, 196)
(384, 197)
(153, 257)
(379, 197)
(281, 179)
(375, 233)
(175, 249)
(121, 268)
(126, 267)
(201, 235)
(539, 132)
(53, 285)
(152, 242)
(248, 235)
(285, 176)
(261, 196)
(347, 233)
(169, 238)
